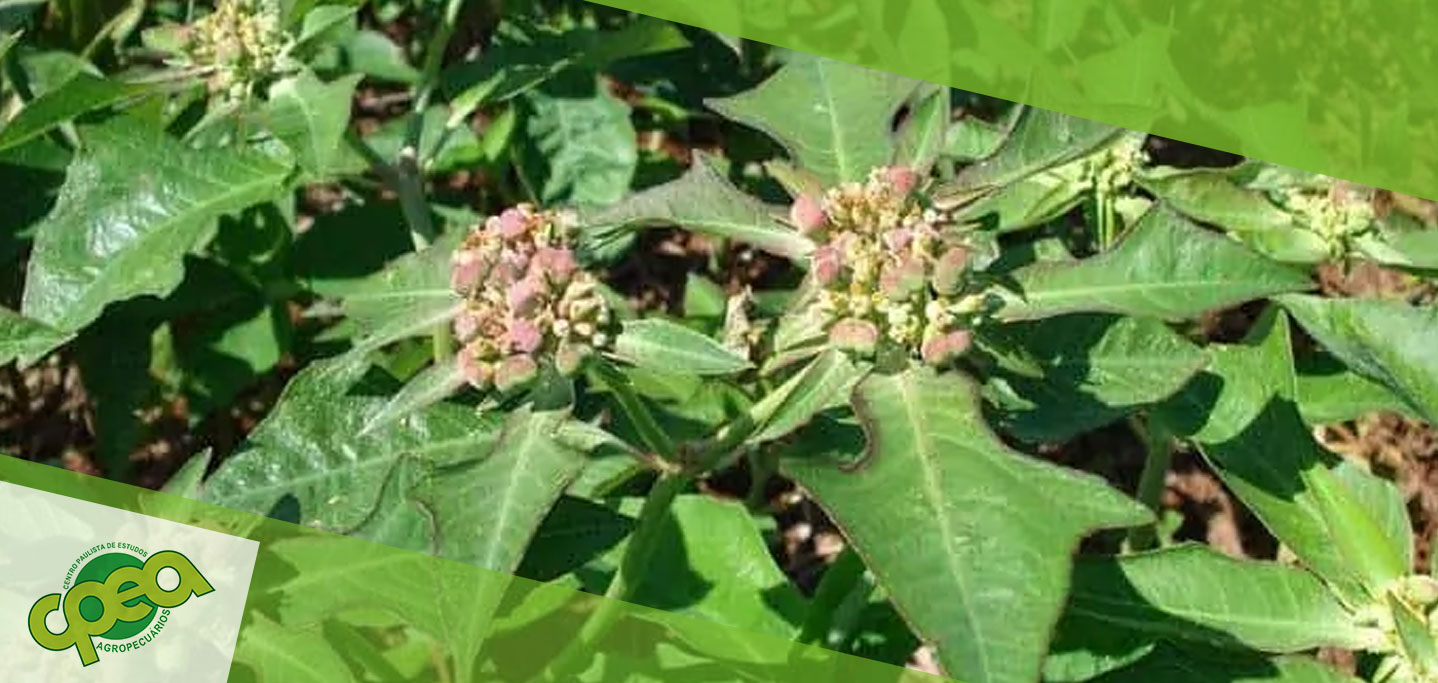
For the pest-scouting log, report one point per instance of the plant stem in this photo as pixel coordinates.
(627, 578)
(762, 465)
(1158, 456)
(839, 581)
(649, 430)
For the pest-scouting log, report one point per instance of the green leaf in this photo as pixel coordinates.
(1390, 342)
(285, 654)
(373, 53)
(1165, 267)
(411, 297)
(1173, 665)
(80, 94)
(1418, 644)
(310, 449)
(703, 201)
(1041, 139)
(834, 118)
(583, 143)
(323, 22)
(133, 204)
(1241, 412)
(1079, 372)
(660, 345)
(824, 383)
(1385, 504)
(186, 480)
(972, 138)
(25, 339)
(974, 522)
(1194, 594)
(1328, 392)
(432, 385)
(1211, 196)
(310, 117)
(703, 298)
(921, 137)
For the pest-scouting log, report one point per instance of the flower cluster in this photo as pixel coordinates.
(1113, 169)
(889, 272)
(1335, 215)
(240, 43)
(526, 300)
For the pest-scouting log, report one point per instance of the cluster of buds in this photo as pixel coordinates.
(1112, 169)
(527, 301)
(889, 273)
(240, 44)
(1337, 215)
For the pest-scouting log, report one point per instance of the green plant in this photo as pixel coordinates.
(948, 294)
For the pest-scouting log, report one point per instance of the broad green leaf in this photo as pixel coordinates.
(1384, 503)
(1079, 372)
(432, 385)
(974, 524)
(703, 201)
(1413, 249)
(921, 138)
(703, 298)
(324, 21)
(1165, 267)
(1418, 644)
(1212, 196)
(584, 143)
(824, 383)
(310, 117)
(80, 94)
(1041, 139)
(1195, 594)
(373, 53)
(664, 346)
(972, 138)
(1390, 342)
(26, 340)
(834, 118)
(1328, 392)
(310, 449)
(1242, 414)
(411, 297)
(1173, 665)
(186, 481)
(575, 532)
(133, 204)
(1029, 202)
(284, 654)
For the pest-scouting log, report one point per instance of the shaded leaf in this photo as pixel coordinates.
(133, 204)
(310, 117)
(411, 297)
(1041, 139)
(79, 94)
(922, 135)
(583, 143)
(26, 340)
(1173, 665)
(1329, 392)
(660, 345)
(284, 654)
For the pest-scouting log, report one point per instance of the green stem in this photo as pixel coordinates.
(627, 579)
(839, 581)
(763, 463)
(1158, 457)
(653, 436)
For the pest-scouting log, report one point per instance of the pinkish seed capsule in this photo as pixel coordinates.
(558, 264)
(807, 214)
(902, 279)
(827, 265)
(902, 178)
(854, 335)
(523, 335)
(465, 271)
(475, 371)
(570, 358)
(466, 326)
(899, 240)
(949, 271)
(943, 348)
(514, 372)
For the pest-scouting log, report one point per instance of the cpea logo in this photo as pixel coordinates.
(119, 594)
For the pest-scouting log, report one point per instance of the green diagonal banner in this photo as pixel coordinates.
(1330, 86)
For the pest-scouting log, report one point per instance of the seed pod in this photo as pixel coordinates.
(512, 224)
(525, 297)
(515, 372)
(558, 265)
(855, 335)
(570, 358)
(477, 372)
(949, 270)
(466, 270)
(902, 279)
(827, 265)
(466, 325)
(899, 240)
(944, 348)
(807, 214)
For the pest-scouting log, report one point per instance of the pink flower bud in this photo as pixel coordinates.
(943, 348)
(902, 178)
(512, 224)
(854, 335)
(558, 264)
(514, 372)
(475, 371)
(466, 326)
(525, 296)
(827, 265)
(949, 270)
(512, 266)
(807, 214)
(466, 270)
(523, 335)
